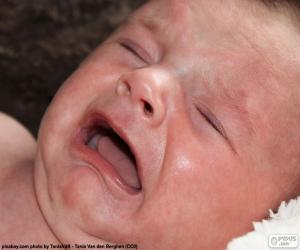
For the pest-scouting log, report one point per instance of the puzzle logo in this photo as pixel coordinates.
(283, 241)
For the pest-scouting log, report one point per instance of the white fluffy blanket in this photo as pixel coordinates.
(285, 223)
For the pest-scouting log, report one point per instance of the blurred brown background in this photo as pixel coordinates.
(42, 42)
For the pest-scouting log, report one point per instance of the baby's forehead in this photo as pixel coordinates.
(192, 20)
(227, 25)
(172, 10)
(192, 28)
(216, 13)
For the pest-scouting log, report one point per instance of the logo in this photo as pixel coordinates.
(283, 241)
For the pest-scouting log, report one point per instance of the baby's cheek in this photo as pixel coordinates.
(79, 190)
(201, 175)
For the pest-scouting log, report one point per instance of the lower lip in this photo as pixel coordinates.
(104, 168)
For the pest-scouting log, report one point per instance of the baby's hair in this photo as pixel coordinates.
(293, 6)
(276, 3)
(290, 8)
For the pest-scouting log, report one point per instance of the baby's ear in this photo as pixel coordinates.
(17, 145)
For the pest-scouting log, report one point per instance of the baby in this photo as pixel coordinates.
(176, 133)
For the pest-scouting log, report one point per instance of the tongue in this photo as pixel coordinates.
(117, 153)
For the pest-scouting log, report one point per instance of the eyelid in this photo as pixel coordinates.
(136, 49)
(217, 125)
(212, 120)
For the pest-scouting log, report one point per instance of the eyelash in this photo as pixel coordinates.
(219, 128)
(131, 50)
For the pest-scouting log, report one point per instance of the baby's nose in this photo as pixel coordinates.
(146, 88)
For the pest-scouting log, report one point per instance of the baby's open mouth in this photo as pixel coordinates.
(102, 139)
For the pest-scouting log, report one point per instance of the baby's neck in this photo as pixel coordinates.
(21, 218)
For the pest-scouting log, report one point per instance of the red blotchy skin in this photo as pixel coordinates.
(214, 152)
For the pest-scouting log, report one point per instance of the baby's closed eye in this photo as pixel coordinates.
(136, 50)
(212, 120)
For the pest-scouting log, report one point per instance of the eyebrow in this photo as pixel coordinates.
(151, 24)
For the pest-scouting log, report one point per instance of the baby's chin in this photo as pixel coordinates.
(82, 205)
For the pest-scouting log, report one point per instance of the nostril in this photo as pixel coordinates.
(148, 110)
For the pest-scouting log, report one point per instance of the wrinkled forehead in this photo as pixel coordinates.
(190, 32)
(199, 18)
(191, 14)
(190, 28)
(181, 27)
(187, 25)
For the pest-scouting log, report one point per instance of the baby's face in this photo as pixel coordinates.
(207, 103)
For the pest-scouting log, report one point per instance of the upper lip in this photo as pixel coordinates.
(98, 119)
